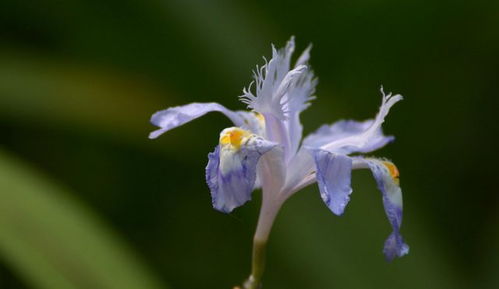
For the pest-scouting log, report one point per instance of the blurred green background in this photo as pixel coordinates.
(88, 201)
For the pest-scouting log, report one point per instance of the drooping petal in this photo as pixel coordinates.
(368, 138)
(347, 128)
(333, 175)
(387, 178)
(231, 169)
(176, 116)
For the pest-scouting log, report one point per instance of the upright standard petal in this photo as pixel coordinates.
(304, 57)
(333, 173)
(296, 100)
(272, 81)
(176, 116)
(281, 93)
(231, 169)
(268, 78)
(363, 140)
(386, 175)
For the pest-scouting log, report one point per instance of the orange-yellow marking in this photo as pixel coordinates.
(259, 116)
(392, 169)
(234, 137)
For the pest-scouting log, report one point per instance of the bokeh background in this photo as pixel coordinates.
(88, 201)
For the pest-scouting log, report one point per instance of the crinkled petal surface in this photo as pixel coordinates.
(176, 116)
(333, 175)
(231, 173)
(386, 175)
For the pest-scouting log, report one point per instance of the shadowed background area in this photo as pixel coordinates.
(88, 201)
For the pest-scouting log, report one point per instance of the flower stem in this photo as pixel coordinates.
(258, 266)
(266, 219)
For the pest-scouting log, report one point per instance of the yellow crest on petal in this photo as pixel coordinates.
(234, 136)
(392, 169)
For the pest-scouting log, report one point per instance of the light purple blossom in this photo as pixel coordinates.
(265, 148)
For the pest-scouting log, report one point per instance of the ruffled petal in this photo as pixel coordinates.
(281, 93)
(357, 137)
(231, 169)
(386, 175)
(333, 173)
(296, 100)
(304, 57)
(176, 116)
(347, 128)
(273, 81)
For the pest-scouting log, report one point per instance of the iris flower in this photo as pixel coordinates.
(264, 149)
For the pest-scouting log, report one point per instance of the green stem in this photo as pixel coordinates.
(258, 266)
(265, 221)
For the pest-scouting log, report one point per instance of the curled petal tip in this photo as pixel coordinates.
(395, 247)
(382, 90)
(389, 96)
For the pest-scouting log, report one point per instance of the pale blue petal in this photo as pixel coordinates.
(253, 122)
(295, 131)
(304, 57)
(300, 171)
(272, 173)
(333, 173)
(343, 129)
(270, 81)
(274, 80)
(281, 93)
(231, 175)
(176, 116)
(392, 201)
(276, 131)
(295, 101)
(358, 138)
